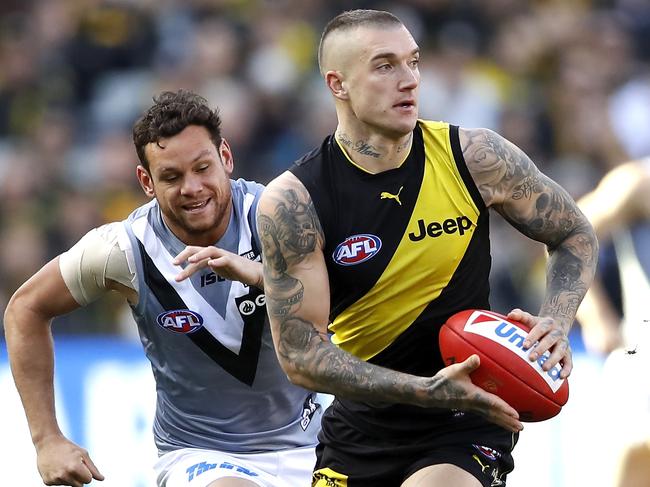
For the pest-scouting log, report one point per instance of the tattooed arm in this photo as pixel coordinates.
(297, 292)
(539, 208)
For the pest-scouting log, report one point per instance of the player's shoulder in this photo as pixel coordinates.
(285, 189)
(244, 186)
(314, 155)
(100, 244)
(285, 181)
(142, 211)
(105, 236)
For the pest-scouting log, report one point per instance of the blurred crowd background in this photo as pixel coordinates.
(566, 80)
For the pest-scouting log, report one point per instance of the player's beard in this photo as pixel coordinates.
(205, 222)
(202, 225)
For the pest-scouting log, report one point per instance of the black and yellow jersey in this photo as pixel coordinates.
(405, 248)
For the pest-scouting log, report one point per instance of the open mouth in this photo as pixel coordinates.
(196, 206)
(405, 104)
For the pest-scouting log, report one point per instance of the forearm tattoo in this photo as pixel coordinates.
(340, 373)
(539, 208)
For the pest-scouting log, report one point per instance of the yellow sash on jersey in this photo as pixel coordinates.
(437, 236)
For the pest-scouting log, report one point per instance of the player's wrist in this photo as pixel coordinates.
(42, 439)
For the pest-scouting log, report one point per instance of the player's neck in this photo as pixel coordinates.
(372, 151)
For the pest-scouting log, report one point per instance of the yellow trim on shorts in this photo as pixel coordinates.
(326, 477)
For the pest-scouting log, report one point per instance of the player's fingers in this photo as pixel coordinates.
(219, 263)
(83, 477)
(485, 402)
(567, 365)
(508, 422)
(190, 269)
(546, 343)
(501, 413)
(558, 351)
(471, 364)
(81, 473)
(205, 254)
(185, 254)
(554, 340)
(520, 315)
(529, 320)
(93, 469)
(498, 404)
(65, 481)
(538, 332)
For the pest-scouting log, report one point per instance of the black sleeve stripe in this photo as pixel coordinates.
(462, 168)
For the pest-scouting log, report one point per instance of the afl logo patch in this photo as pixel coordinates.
(357, 249)
(180, 321)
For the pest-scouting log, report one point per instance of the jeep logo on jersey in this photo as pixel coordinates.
(180, 321)
(356, 249)
(435, 229)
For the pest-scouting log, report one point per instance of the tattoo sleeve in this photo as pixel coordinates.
(292, 239)
(540, 209)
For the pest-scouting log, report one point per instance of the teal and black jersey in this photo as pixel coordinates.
(405, 248)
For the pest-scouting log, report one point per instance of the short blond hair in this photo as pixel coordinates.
(351, 19)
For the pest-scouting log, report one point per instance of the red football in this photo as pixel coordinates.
(505, 368)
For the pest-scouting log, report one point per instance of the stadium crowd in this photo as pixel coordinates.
(569, 82)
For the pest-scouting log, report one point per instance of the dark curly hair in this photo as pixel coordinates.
(170, 114)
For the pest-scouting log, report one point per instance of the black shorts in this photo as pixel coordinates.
(348, 457)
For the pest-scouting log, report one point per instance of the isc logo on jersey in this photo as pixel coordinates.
(356, 249)
(512, 337)
(180, 321)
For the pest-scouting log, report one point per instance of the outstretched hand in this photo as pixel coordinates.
(460, 393)
(226, 264)
(545, 334)
(61, 462)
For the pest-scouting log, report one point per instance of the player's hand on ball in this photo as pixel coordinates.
(460, 393)
(545, 334)
(61, 462)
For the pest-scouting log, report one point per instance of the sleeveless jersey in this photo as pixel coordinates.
(219, 384)
(405, 249)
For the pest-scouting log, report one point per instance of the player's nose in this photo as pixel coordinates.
(192, 184)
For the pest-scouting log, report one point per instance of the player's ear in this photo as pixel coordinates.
(336, 84)
(144, 178)
(225, 153)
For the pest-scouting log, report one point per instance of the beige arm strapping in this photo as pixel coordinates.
(93, 260)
